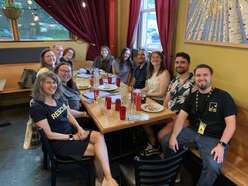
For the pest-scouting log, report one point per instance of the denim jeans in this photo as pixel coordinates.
(205, 144)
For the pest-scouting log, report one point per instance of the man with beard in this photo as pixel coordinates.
(212, 115)
(140, 70)
(179, 88)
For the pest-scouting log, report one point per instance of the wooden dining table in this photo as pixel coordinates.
(109, 120)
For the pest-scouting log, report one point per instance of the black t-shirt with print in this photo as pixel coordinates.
(56, 116)
(212, 110)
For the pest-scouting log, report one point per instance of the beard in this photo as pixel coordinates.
(181, 70)
(203, 86)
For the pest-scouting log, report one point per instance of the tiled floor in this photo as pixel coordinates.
(24, 167)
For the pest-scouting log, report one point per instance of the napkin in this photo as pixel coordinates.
(138, 116)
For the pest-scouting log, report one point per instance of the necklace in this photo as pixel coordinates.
(205, 102)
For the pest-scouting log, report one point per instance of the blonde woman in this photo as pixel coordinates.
(47, 61)
(50, 113)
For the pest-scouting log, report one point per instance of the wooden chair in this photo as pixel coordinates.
(53, 161)
(157, 172)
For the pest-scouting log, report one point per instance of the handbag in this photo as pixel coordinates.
(27, 78)
(32, 136)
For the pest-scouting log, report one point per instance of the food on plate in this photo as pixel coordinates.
(151, 107)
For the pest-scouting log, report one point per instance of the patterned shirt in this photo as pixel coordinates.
(178, 91)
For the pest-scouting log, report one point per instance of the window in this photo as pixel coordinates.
(5, 29)
(36, 24)
(148, 36)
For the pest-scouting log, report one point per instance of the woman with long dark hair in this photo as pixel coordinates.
(122, 66)
(105, 60)
(158, 78)
(156, 88)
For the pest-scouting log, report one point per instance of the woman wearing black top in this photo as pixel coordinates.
(105, 60)
(51, 114)
(68, 55)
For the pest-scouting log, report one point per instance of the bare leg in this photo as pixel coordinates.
(101, 153)
(90, 151)
(165, 130)
(150, 133)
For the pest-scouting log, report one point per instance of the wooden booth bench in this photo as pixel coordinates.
(12, 93)
(235, 166)
(12, 63)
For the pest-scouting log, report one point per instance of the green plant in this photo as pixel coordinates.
(12, 10)
(15, 5)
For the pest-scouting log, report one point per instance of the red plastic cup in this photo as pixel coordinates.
(118, 82)
(91, 81)
(123, 112)
(109, 80)
(117, 104)
(101, 81)
(96, 93)
(108, 101)
(138, 102)
(134, 94)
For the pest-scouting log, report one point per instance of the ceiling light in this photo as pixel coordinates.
(36, 18)
(83, 4)
(29, 2)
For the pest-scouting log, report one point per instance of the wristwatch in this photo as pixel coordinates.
(71, 137)
(223, 144)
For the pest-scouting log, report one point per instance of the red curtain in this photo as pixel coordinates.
(88, 23)
(166, 11)
(134, 12)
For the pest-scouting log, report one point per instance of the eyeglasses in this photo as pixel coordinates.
(65, 71)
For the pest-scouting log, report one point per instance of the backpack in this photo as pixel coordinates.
(27, 78)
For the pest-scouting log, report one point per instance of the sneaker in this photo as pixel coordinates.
(178, 178)
(150, 150)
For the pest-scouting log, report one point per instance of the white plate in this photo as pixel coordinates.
(107, 87)
(83, 87)
(82, 71)
(152, 107)
(83, 75)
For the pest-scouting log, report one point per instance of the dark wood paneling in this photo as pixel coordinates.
(20, 55)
